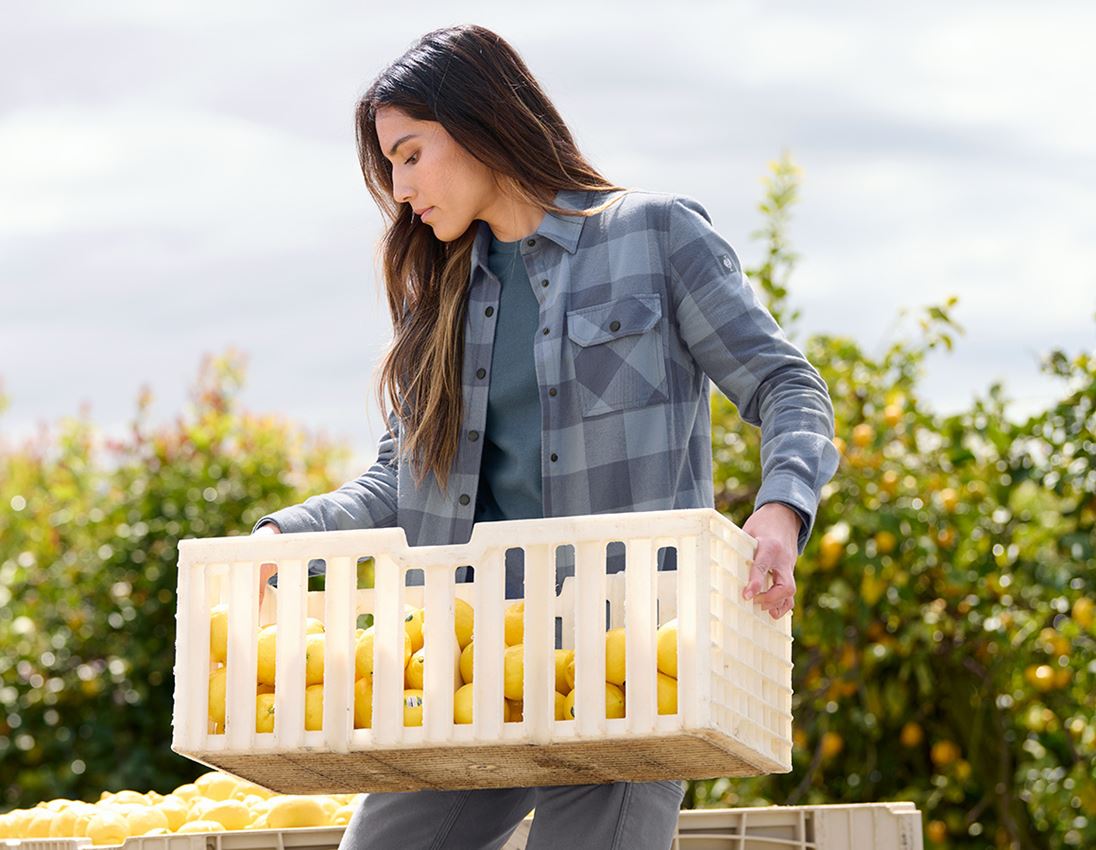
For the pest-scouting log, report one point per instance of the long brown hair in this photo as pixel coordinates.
(472, 82)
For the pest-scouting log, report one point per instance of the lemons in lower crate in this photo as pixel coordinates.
(342, 815)
(513, 672)
(413, 672)
(231, 814)
(264, 713)
(313, 658)
(141, 818)
(187, 791)
(363, 702)
(563, 658)
(561, 706)
(215, 785)
(667, 694)
(514, 623)
(614, 656)
(174, 810)
(313, 626)
(108, 827)
(412, 707)
(218, 633)
(569, 674)
(313, 708)
(412, 624)
(217, 695)
(295, 810)
(667, 648)
(200, 826)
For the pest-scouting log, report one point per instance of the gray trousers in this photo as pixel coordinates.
(615, 816)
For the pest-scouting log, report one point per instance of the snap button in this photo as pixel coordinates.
(473, 435)
(531, 242)
(464, 500)
(544, 283)
(555, 457)
(481, 373)
(614, 325)
(551, 391)
(546, 331)
(489, 311)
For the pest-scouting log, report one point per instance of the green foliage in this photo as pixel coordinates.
(88, 536)
(943, 629)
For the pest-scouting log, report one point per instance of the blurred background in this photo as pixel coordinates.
(190, 320)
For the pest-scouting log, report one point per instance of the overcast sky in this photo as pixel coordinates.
(177, 178)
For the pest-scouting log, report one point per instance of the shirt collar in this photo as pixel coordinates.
(564, 230)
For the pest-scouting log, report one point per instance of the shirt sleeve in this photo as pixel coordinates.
(369, 501)
(737, 343)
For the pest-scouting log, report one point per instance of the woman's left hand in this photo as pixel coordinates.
(775, 526)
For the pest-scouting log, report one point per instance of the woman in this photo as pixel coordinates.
(554, 336)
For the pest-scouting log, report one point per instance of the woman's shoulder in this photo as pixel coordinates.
(636, 208)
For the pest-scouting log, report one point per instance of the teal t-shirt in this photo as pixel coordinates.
(510, 474)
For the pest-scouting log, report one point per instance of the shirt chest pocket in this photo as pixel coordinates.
(617, 353)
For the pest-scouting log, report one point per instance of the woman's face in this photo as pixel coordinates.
(429, 169)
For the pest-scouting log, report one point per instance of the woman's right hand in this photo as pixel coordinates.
(266, 570)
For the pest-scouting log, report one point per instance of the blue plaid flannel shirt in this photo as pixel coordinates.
(641, 306)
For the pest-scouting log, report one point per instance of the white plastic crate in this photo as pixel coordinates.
(863, 826)
(734, 660)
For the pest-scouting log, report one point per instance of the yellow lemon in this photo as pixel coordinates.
(614, 656)
(667, 648)
(313, 659)
(312, 626)
(412, 707)
(466, 664)
(412, 677)
(463, 621)
(174, 809)
(363, 653)
(200, 826)
(342, 815)
(563, 658)
(217, 688)
(108, 827)
(40, 822)
(363, 702)
(667, 694)
(264, 713)
(514, 623)
(462, 704)
(158, 830)
(268, 644)
(62, 824)
(143, 818)
(412, 623)
(614, 700)
(128, 797)
(561, 706)
(569, 673)
(313, 708)
(513, 672)
(569, 706)
(296, 810)
(218, 633)
(187, 791)
(231, 814)
(215, 785)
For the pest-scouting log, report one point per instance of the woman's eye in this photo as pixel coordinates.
(408, 161)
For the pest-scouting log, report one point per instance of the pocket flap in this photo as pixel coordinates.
(630, 314)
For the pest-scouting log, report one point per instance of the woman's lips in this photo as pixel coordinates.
(426, 212)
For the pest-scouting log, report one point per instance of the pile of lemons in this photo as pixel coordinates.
(414, 663)
(214, 802)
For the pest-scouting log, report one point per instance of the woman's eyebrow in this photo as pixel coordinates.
(401, 141)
